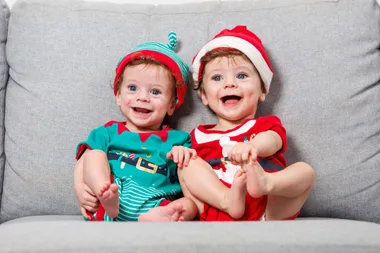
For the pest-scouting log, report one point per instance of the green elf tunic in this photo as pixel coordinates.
(139, 167)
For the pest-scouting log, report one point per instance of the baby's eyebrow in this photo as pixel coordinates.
(215, 70)
(131, 80)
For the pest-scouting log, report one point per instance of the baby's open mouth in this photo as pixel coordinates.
(230, 99)
(141, 110)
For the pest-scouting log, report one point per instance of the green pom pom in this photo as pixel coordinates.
(172, 40)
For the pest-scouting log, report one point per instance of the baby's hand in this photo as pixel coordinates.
(243, 152)
(182, 155)
(86, 198)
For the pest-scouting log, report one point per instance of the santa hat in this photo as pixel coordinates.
(242, 39)
(164, 54)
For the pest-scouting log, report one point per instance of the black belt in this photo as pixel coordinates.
(266, 164)
(144, 165)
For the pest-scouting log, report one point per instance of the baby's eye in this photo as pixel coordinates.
(132, 87)
(156, 92)
(216, 78)
(241, 76)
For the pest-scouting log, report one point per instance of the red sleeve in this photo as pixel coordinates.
(98, 138)
(273, 123)
(81, 149)
(192, 136)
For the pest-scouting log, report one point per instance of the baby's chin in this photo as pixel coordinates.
(234, 120)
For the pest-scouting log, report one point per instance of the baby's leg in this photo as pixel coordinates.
(257, 179)
(200, 183)
(96, 174)
(183, 209)
(287, 189)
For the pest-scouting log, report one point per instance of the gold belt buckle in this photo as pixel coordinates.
(146, 166)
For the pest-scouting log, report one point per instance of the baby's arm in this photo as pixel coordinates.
(267, 143)
(263, 144)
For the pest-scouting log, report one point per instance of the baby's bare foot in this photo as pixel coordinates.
(237, 195)
(256, 179)
(171, 212)
(109, 198)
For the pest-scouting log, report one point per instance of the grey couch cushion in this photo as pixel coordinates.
(48, 218)
(283, 236)
(327, 92)
(325, 54)
(4, 15)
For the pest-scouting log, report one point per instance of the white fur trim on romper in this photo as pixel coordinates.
(201, 137)
(242, 45)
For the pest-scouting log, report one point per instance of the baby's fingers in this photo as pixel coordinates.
(89, 191)
(253, 155)
(180, 157)
(193, 153)
(90, 200)
(169, 155)
(187, 155)
(90, 208)
(245, 156)
(235, 156)
(84, 213)
(174, 155)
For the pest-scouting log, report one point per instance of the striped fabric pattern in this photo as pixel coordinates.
(136, 199)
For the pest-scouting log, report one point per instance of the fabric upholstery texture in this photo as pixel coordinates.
(324, 235)
(4, 16)
(326, 90)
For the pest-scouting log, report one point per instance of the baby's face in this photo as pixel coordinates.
(146, 96)
(231, 87)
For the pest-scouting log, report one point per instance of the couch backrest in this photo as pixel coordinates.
(4, 15)
(326, 90)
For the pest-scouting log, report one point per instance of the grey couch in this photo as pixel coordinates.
(57, 61)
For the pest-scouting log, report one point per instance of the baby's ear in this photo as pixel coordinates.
(199, 92)
(262, 97)
(203, 96)
(172, 107)
(118, 99)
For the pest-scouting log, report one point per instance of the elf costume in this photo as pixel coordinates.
(139, 167)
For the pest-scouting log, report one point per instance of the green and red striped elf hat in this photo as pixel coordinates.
(165, 54)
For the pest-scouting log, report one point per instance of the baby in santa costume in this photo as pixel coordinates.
(232, 74)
